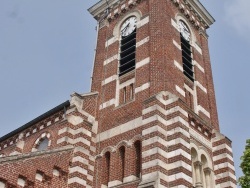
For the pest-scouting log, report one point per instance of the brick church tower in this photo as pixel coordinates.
(150, 120)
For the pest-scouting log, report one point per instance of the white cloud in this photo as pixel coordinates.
(238, 15)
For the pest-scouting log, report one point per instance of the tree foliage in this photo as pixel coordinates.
(244, 180)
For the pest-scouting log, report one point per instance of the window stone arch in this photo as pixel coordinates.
(122, 143)
(116, 31)
(107, 149)
(203, 152)
(135, 139)
(42, 143)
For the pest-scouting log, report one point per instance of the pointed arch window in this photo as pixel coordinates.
(185, 36)
(122, 162)
(127, 45)
(107, 168)
(137, 146)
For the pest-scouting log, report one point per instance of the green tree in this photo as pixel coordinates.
(244, 181)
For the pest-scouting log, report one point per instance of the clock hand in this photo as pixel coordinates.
(124, 30)
(126, 27)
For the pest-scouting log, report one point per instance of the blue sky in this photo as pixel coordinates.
(47, 48)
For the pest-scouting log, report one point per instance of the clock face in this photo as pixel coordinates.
(184, 30)
(128, 26)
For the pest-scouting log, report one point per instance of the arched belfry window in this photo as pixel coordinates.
(185, 36)
(127, 45)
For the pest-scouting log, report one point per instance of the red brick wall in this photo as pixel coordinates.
(28, 165)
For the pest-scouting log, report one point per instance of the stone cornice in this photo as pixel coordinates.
(35, 154)
(111, 9)
(200, 11)
(195, 12)
(193, 9)
(99, 8)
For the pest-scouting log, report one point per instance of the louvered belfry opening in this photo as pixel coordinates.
(187, 58)
(127, 53)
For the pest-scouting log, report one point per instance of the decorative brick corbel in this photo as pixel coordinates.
(187, 13)
(176, 2)
(181, 7)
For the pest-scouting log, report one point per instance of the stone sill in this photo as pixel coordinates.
(126, 183)
(34, 154)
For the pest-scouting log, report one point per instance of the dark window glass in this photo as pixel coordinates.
(138, 158)
(107, 165)
(122, 162)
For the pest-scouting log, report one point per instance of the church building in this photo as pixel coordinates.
(150, 119)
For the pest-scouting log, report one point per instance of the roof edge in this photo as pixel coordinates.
(202, 11)
(36, 120)
(100, 6)
(97, 9)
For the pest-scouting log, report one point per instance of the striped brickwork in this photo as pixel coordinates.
(166, 158)
(79, 131)
(223, 161)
